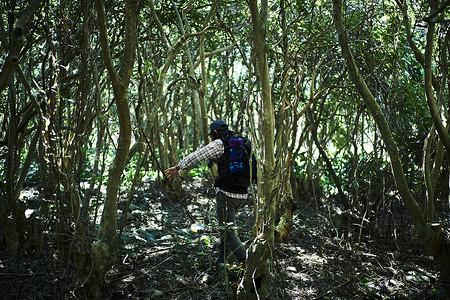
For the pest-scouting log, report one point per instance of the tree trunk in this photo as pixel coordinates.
(17, 41)
(287, 136)
(328, 163)
(13, 229)
(432, 238)
(102, 250)
(256, 281)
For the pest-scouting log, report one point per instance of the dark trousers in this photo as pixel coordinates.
(229, 241)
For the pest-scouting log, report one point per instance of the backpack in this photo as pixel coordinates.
(236, 155)
(234, 164)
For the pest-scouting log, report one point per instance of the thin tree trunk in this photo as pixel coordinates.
(8, 203)
(256, 283)
(434, 112)
(287, 132)
(17, 41)
(102, 250)
(432, 238)
(198, 118)
(328, 163)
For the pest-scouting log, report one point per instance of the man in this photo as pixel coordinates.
(231, 189)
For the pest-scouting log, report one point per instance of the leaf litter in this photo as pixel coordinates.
(165, 255)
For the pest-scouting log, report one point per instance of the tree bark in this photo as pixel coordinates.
(256, 281)
(102, 250)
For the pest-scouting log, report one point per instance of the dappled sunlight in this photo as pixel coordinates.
(312, 259)
(312, 263)
(164, 254)
(320, 265)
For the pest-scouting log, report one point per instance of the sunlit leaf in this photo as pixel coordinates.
(205, 239)
(197, 227)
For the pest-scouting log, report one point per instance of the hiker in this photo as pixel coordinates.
(231, 153)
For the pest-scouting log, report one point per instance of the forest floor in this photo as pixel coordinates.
(169, 249)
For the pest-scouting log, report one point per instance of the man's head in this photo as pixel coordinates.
(218, 129)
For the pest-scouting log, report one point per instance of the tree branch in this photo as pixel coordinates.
(436, 12)
(383, 126)
(17, 42)
(104, 43)
(417, 54)
(431, 101)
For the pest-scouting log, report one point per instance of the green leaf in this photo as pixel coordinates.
(148, 236)
(205, 239)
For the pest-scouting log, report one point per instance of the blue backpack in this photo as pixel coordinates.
(236, 155)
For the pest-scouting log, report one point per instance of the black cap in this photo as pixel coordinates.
(217, 126)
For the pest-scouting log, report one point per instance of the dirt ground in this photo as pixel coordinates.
(169, 247)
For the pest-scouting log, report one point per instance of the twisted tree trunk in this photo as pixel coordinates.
(431, 237)
(256, 281)
(93, 267)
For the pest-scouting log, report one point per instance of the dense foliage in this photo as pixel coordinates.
(63, 125)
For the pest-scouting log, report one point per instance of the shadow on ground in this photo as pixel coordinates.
(168, 250)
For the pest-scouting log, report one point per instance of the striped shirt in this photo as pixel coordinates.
(215, 149)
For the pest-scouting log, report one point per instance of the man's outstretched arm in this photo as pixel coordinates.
(212, 150)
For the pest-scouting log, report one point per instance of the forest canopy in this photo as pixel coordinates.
(346, 104)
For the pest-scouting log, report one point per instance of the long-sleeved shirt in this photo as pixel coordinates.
(215, 149)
